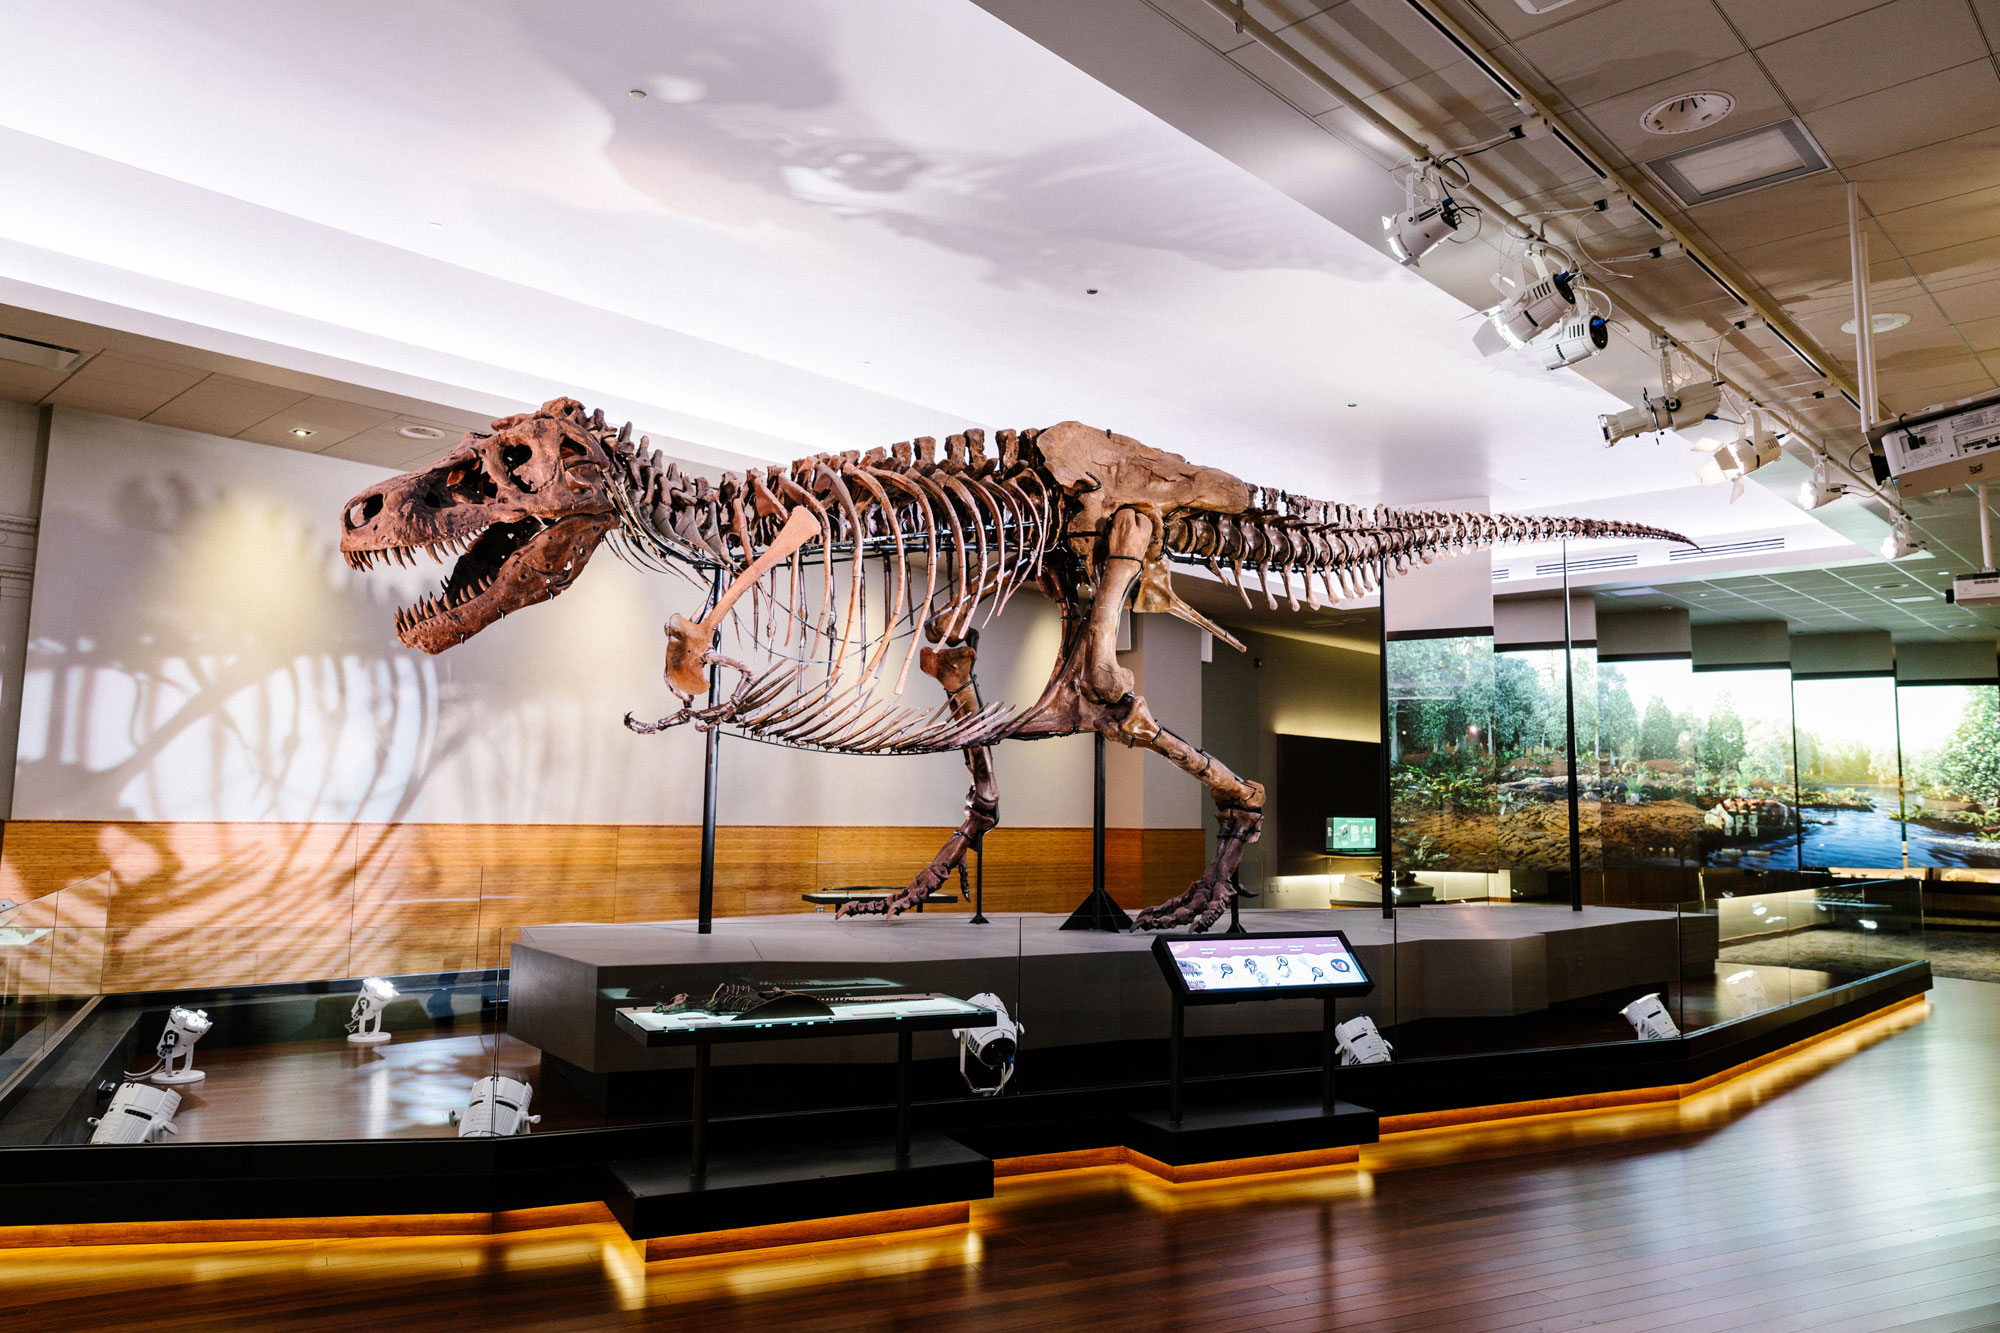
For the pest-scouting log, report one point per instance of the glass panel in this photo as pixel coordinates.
(1745, 773)
(1849, 789)
(1648, 733)
(1442, 782)
(1951, 773)
(1530, 723)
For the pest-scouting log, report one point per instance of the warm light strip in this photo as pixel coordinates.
(808, 1232)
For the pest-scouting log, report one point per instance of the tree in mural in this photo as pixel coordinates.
(1617, 719)
(1723, 743)
(1660, 731)
(1970, 762)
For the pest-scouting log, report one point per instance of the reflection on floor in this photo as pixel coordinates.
(327, 1089)
(1970, 955)
(1849, 1186)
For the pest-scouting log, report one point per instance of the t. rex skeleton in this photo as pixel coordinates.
(1090, 518)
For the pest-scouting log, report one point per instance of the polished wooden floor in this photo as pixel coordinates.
(1853, 1186)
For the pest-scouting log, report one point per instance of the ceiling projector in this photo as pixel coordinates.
(1980, 589)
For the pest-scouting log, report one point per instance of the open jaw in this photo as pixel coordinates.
(500, 568)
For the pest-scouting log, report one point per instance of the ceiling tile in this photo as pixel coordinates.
(1937, 171)
(384, 446)
(1205, 22)
(1877, 48)
(1385, 42)
(1977, 301)
(1454, 96)
(1765, 21)
(123, 385)
(1910, 115)
(224, 405)
(1263, 65)
(1510, 19)
(1941, 223)
(329, 420)
(1983, 334)
(27, 384)
(1605, 52)
(1799, 266)
(1757, 103)
(1777, 212)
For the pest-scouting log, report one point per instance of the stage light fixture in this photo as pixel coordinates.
(993, 1047)
(1430, 215)
(137, 1114)
(364, 1021)
(1734, 461)
(1572, 341)
(497, 1108)
(176, 1044)
(1820, 488)
(1535, 308)
(1358, 1042)
(1901, 541)
(1675, 409)
(1649, 1018)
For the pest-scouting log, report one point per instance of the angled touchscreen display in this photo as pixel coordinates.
(1250, 964)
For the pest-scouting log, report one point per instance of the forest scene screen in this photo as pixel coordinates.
(1951, 773)
(1648, 746)
(1530, 738)
(1441, 776)
(1850, 796)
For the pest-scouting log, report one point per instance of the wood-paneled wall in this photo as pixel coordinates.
(132, 906)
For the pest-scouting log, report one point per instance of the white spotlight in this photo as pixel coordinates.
(364, 1021)
(184, 1028)
(1900, 541)
(1820, 488)
(1649, 1018)
(137, 1114)
(993, 1047)
(1734, 461)
(1535, 309)
(1572, 341)
(1430, 215)
(1676, 409)
(497, 1109)
(1359, 1043)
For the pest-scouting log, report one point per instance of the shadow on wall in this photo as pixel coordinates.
(749, 120)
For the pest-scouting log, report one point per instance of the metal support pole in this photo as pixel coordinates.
(1097, 815)
(698, 1124)
(1383, 822)
(903, 1092)
(1985, 531)
(1569, 732)
(1329, 1055)
(710, 777)
(1174, 1062)
(1864, 315)
(979, 881)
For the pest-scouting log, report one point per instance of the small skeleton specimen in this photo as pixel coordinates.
(731, 997)
(854, 567)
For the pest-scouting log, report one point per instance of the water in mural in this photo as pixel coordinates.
(1951, 773)
(1442, 779)
(1648, 735)
(1744, 779)
(1849, 796)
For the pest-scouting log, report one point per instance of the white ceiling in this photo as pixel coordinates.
(826, 226)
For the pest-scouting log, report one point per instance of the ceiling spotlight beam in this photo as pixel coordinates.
(1793, 337)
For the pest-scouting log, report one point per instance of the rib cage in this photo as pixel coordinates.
(971, 529)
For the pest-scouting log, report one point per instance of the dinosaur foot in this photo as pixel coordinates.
(894, 905)
(1196, 910)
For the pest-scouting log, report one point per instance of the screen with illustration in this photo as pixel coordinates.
(1849, 797)
(1743, 764)
(1443, 808)
(1648, 736)
(1212, 965)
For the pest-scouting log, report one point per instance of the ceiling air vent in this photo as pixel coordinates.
(1751, 547)
(1499, 573)
(47, 356)
(1554, 567)
(1689, 111)
(1767, 155)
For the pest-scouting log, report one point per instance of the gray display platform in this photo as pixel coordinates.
(1066, 987)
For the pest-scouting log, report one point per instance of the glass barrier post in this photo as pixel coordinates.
(710, 760)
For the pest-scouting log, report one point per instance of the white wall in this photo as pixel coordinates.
(200, 651)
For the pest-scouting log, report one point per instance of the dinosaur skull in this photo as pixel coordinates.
(521, 508)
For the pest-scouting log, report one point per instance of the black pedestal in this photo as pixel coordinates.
(1223, 1133)
(742, 1187)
